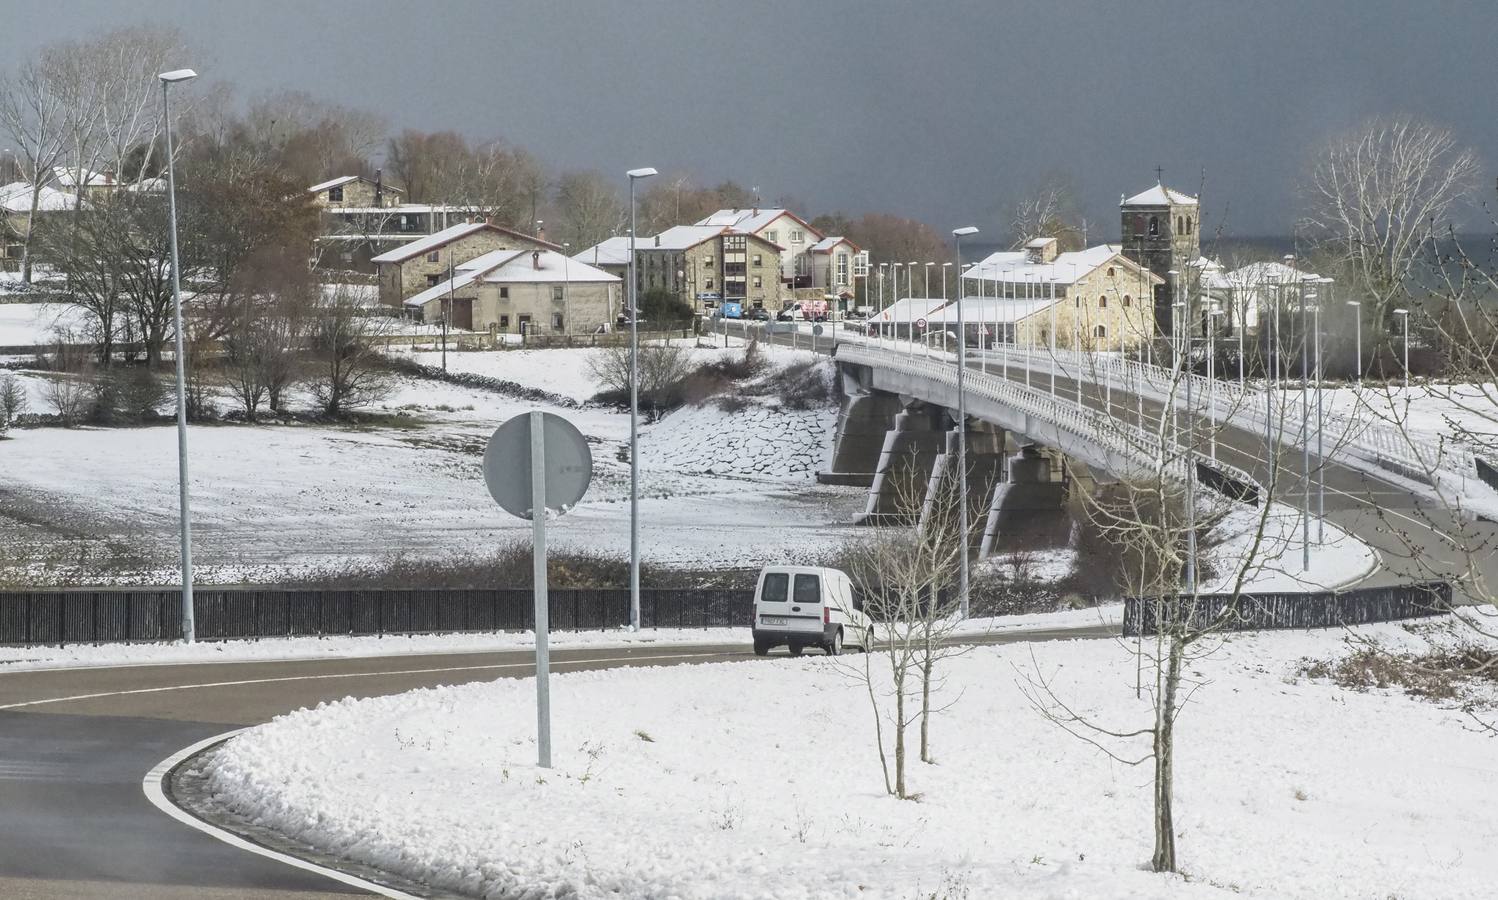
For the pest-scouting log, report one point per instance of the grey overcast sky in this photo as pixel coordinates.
(938, 110)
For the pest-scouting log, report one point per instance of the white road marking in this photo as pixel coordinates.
(154, 792)
(331, 675)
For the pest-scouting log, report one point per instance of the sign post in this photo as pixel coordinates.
(538, 463)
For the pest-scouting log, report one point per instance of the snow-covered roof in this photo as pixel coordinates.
(16, 197)
(332, 183)
(752, 220)
(1260, 274)
(147, 186)
(612, 251)
(446, 236)
(549, 267)
(399, 208)
(463, 275)
(1014, 267)
(976, 310)
(679, 237)
(826, 244)
(67, 177)
(1160, 195)
(1039, 243)
(908, 309)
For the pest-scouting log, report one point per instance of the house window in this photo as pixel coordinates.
(335, 195)
(772, 236)
(1110, 271)
(1101, 331)
(556, 322)
(434, 280)
(1102, 302)
(1154, 226)
(709, 284)
(556, 292)
(758, 281)
(842, 268)
(796, 236)
(707, 263)
(1189, 225)
(432, 257)
(504, 293)
(757, 261)
(504, 323)
(1077, 302)
(1127, 301)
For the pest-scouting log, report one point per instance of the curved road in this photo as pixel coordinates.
(76, 743)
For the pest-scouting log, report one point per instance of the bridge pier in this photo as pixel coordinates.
(1028, 502)
(865, 419)
(910, 449)
(986, 467)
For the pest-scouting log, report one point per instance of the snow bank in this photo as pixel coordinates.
(757, 441)
(759, 780)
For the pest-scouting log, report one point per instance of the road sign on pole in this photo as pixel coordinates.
(538, 464)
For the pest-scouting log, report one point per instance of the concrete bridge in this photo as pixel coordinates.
(1041, 423)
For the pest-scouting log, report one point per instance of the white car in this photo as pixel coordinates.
(808, 606)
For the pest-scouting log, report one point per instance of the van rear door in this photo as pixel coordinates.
(791, 602)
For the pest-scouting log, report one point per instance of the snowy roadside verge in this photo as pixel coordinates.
(683, 782)
(16, 659)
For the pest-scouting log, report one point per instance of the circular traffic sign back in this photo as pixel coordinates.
(921, 324)
(565, 454)
(816, 330)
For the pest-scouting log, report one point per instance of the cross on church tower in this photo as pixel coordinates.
(1159, 175)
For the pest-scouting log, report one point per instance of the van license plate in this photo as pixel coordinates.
(772, 620)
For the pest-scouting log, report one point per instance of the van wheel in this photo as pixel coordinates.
(835, 646)
(794, 649)
(761, 648)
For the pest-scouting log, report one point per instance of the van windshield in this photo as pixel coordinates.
(808, 589)
(774, 590)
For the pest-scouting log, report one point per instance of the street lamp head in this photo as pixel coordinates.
(641, 173)
(965, 231)
(177, 75)
(1354, 303)
(1172, 273)
(1401, 312)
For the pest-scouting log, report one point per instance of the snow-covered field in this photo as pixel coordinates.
(25, 324)
(298, 496)
(759, 780)
(14, 659)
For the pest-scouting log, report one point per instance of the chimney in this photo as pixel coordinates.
(379, 188)
(488, 220)
(657, 240)
(536, 259)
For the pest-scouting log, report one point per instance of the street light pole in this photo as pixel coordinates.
(1305, 423)
(1357, 315)
(634, 409)
(962, 504)
(189, 625)
(1405, 314)
(566, 289)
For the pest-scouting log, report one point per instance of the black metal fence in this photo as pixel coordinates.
(1324, 609)
(97, 616)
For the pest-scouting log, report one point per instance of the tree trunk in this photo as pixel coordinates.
(1164, 859)
(926, 665)
(36, 199)
(900, 736)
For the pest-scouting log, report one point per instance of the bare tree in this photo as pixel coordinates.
(663, 367)
(1377, 196)
(347, 369)
(32, 112)
(1050, 210)
(589, 208)
(266, 334)
(906, 575)
(12, 402)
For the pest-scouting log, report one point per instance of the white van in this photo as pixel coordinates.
(808, 606)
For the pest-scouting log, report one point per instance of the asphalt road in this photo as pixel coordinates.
(76, 743)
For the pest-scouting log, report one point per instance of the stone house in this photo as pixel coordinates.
(355, 191)
(524, 291)
(423, 263)
(780, 227)
(835, 266)
(15, 209)
(1094, 299)
(708, 265)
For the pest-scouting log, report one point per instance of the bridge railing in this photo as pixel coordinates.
(1143, 447)
(1358, 440)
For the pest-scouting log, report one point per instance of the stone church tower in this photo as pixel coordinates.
(1160, 233)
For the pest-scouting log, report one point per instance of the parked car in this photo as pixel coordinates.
(758, 314)
(788, 314)
(808, 606)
